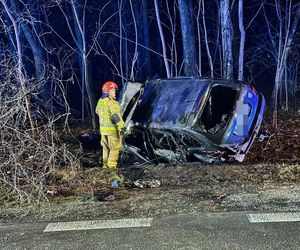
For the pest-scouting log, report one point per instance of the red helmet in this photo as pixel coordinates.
(108, 86)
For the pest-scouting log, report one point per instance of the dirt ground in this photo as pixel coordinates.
(190, 188)
(267, 180)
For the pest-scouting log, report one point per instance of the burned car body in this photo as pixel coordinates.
(190, 119)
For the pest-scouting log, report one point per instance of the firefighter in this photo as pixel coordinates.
(111, 123)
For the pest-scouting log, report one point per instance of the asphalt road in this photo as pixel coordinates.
(189, 231)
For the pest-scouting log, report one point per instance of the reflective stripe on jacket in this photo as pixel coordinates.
(110, 117)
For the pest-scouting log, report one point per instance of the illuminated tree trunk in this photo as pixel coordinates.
(226, 31)
(283, 55)
(188, 37)
(242, 41)
(146, 36)
(211, 65)
(84, 55)
(162, 38)
(20, 65)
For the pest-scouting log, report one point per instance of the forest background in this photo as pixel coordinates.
(56, 54)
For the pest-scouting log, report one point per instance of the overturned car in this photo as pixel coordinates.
(190, 119)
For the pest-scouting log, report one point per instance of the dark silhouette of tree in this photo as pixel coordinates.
(188, 37)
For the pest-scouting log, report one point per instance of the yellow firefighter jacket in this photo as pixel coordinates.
(110, 117)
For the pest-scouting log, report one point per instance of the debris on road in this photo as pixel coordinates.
(108, 196)
(52, 192)
(147, 183)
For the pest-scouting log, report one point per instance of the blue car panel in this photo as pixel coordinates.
(166, 102)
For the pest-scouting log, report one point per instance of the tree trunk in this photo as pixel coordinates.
(86, 82)
(120, 6)
(36, 51)
(242, 41)
(188, 38)
(286, 89)
(211, 65)
(173, 50)
(282, 61)
(226, 30)
(30, 32)
(20, 65)
(32, 40)
(146, 37)
(199, 38)
(162, 38)
(135, 55)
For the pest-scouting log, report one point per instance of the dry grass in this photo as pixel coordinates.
(83, 182)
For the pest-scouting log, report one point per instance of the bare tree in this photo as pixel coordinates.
(146, 37)
(211, 64)
(284, 47)
(162, 38)
(173, 48)
(135, 55)
(187, 32)
(226, 30)
(27, 162)
(20, 66)
(199, 38)
(84, 54)
(242, 41)
(81, 41)
(120, 7)
(292, 83)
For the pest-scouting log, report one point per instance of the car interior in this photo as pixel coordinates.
(217, 109)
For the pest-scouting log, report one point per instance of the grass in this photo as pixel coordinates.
(289, 172)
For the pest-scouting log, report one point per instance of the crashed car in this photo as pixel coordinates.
(190, 119)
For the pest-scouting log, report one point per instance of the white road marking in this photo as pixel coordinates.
(98, 224)
(274, 217)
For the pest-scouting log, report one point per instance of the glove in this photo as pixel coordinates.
(126, 130)
(123, 131)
